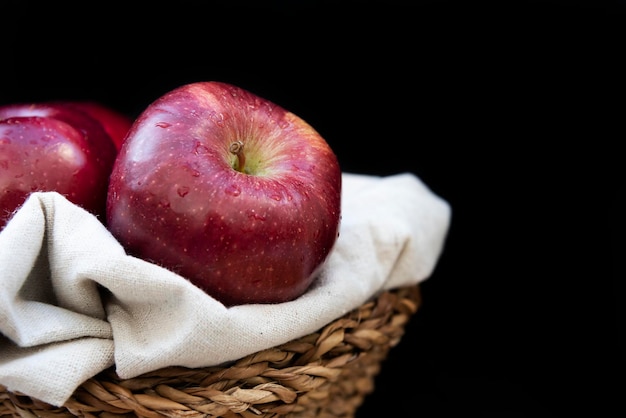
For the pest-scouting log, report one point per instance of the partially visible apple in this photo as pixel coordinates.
(114, 122)
(229, 190)
(48, 147)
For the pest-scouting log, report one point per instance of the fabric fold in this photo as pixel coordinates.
(73, 303)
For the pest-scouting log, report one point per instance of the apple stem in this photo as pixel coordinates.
(237, 149)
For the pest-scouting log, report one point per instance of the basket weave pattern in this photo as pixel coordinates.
(324, 374)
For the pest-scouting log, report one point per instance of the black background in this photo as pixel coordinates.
(511, 111)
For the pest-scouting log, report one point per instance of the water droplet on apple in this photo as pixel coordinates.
(201, 149)
(256, 216)
(283, 124)
(163, 124)
(276, 197)
(233, 190)
(268, 109)
(218, 118)
(183, 191)
(254, 105)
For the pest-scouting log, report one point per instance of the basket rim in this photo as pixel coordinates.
(332, 369)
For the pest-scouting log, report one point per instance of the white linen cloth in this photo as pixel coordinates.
(55, 258)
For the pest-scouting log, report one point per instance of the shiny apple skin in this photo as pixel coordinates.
(176, 199)
(45, 147)
(115, 123)
(46, 154)
(98, 143)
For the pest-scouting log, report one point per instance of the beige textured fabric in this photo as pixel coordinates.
(55, 259)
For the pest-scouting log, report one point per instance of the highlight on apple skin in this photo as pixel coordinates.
(227, 189)
(51, 147)
(114, 122)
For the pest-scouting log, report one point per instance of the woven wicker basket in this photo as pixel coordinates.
(324, 374)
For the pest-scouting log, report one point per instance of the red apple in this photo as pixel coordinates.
(114, 122)
(229, 190)
(47, 147)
